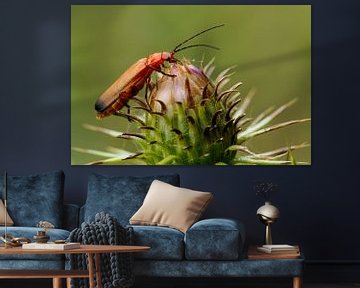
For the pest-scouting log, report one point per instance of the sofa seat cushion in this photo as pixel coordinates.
(166, 243)
(29, 232)
(120, 196)
(214, 239)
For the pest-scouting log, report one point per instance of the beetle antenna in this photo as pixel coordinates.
(197, 45)
(196, 35)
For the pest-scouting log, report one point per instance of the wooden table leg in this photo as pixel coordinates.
(91, 270)
(297, 282)
(98, 270)
(57, 283)
(68, 282)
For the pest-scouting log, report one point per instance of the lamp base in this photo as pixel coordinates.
(268, 237)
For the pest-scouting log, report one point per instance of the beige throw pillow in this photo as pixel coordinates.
(9, 221)
(170, 206)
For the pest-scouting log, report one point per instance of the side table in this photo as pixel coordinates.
(93, 251)
(288, 259)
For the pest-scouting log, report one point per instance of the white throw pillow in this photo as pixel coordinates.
(170, 206)
(9, 221)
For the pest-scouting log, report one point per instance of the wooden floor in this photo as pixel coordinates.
(338, 285)
(45, 283)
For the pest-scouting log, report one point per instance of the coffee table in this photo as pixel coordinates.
(94, 267)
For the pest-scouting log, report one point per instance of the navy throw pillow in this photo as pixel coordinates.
(35, 198)
(120, 196)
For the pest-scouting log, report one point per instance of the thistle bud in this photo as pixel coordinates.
(188, 86)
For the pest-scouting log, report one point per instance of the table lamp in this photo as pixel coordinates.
(268, 214)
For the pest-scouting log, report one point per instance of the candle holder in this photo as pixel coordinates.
(41, 237)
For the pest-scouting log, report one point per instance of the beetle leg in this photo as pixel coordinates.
(128, 111)
(160, 71)
(146, 92)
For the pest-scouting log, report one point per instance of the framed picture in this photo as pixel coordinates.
(191, 84)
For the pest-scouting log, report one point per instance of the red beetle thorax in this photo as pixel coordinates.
(167, 55)
(158, 58)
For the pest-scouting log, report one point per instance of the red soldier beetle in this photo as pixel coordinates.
(134, 78)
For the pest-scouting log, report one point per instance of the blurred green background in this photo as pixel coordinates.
(269, 44)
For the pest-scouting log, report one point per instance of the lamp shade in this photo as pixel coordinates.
(268, 211)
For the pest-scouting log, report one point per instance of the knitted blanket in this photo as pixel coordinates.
(116, 268)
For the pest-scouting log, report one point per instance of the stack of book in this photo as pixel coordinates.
(51, 246)
(281, 251)
(278, 249)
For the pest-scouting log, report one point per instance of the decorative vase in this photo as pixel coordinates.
(268, 214)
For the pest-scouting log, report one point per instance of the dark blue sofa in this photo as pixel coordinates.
(210, 248)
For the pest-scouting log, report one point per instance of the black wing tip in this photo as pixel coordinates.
(100, 106)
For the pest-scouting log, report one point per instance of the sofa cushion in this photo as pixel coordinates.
(9, 221)
(29, 232)
(214, 239)
(165, 243)
(35, 198)
(120, 196)
(170, 206)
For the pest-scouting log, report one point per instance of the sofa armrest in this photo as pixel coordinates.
(71, 216)
(215, 239)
